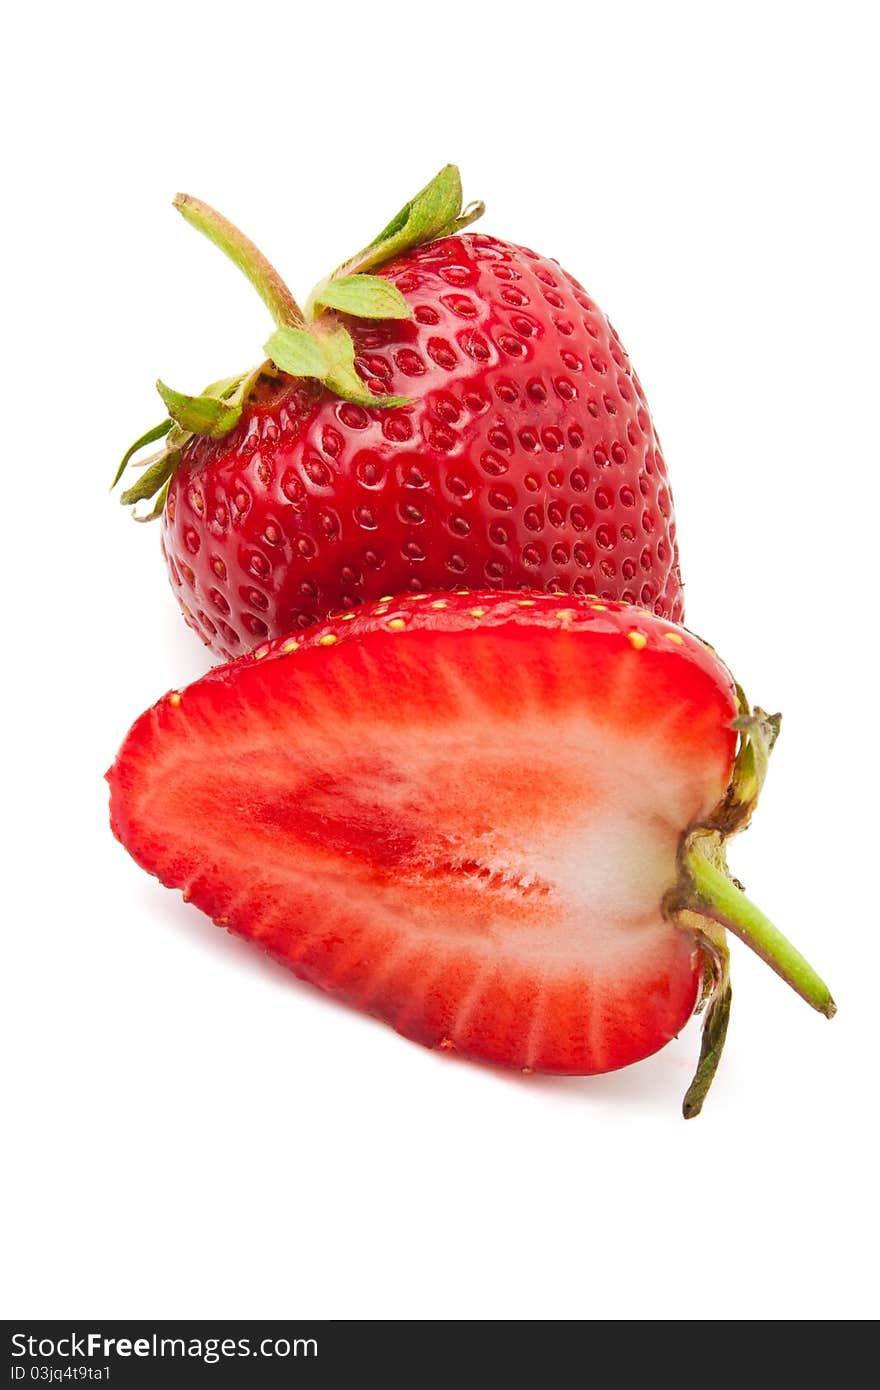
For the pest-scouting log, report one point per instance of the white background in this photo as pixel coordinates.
(190, 1131)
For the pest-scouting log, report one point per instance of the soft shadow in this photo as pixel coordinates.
(656, 1085)
(166, 908)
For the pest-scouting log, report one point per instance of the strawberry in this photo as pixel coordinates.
(496, 822)
(450, 410)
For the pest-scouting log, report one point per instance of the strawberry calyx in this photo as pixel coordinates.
(436, 211)
(313, 343)
(326, 351)
(707, 901)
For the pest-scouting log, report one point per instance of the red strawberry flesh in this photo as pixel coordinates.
(460, 813)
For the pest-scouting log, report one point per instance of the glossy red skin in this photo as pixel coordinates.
(527, 460)
(181, 766)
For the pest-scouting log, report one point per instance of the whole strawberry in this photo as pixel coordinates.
(449, 411)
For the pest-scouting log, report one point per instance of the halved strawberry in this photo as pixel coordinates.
(494, 821)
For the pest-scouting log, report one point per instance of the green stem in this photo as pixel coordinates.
(250, 261)
(715, 896)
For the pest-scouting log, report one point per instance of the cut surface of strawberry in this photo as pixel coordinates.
(473, 815)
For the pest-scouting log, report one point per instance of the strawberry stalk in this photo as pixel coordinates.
(714, 895)
(246, 256)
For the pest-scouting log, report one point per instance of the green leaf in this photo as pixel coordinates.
(229, 386)
(438, 204)
(434, 212)
(155, 511)
(206, 415)
(297, 352)
(157, 432)
(153, 478)
(366, 296)
(711, 1045)
(758, 733)
(341, 376)
(327, 353)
